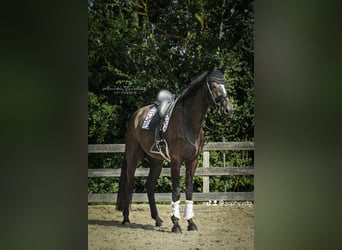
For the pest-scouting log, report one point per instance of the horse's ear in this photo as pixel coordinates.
(223, 68)
(211, 68)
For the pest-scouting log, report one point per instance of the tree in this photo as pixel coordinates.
(138, 47)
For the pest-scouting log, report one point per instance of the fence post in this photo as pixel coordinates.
(224, 165)
(206, 178)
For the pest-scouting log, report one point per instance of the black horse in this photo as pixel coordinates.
(185, 141)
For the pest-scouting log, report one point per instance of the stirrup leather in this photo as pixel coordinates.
(159, 145)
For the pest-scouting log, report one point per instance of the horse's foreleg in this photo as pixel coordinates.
(175, 173)
(188, 212)
(155, 170)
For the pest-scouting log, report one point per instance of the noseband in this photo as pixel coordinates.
(221, 82)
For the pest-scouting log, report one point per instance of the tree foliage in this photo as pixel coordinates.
(136, 48)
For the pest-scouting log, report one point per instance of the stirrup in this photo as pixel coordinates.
(158, 145)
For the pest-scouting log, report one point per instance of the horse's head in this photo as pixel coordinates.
(217, 88)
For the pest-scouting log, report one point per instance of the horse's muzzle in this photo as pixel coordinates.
(227, 109)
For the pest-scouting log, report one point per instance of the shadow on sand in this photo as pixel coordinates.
(108, 223)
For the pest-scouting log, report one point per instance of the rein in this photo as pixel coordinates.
(210, 129)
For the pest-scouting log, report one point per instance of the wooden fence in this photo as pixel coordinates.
(204, 171)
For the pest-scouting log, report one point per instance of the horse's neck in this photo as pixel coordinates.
(194, 110)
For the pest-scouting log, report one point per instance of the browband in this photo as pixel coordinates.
(216, 79)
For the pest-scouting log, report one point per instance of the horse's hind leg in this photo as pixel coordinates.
(155, 170)
(126, 183)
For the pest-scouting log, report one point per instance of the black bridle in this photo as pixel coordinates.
(217, 99)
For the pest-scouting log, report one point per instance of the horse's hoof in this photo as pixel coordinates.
(176, 229)
(125, 222)
(192, 227)
(159, 223)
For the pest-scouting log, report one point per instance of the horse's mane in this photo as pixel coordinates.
(194, 85)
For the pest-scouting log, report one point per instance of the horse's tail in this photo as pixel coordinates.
(124, 195)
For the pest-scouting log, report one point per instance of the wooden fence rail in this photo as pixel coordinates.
(120, 148)
(142, 197)
(204, 171)
(143, 172)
